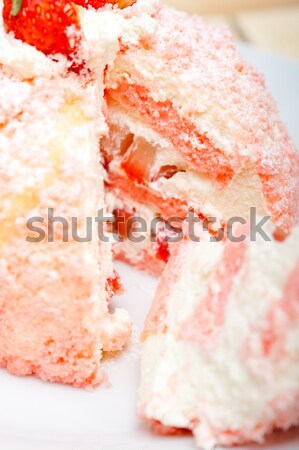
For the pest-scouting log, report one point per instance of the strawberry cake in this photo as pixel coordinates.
(220, 352)
(192, 127)
(142, 111)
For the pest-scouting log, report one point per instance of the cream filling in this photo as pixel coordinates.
(104, 29)
(236, 199)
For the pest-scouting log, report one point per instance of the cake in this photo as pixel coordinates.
(147, 113)
(56, 277)
(220, 349)
(192, 126)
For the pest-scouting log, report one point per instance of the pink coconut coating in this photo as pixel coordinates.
(240, 126)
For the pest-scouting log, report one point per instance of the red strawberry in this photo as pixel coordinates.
(138, 160)
(280, 235)
(166, 172)
(96, 4)
(162, 251)
(42, 23)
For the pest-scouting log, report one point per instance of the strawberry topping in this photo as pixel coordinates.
(45, 24)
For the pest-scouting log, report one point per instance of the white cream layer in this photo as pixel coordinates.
(236, 199)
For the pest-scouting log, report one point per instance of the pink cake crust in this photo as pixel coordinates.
(171, 207)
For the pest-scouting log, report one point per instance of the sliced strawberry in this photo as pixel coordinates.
(96, 4)
(138, 161)
(167, 172)
(126, 143)
(162, 251)
(45, 24)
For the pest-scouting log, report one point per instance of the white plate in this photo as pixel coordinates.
(35, 415)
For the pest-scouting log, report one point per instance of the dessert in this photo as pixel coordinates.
(192, 127)
(185, 124)
(220, 353)
(56, 278)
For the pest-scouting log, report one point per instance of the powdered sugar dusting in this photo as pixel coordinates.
(196, 66)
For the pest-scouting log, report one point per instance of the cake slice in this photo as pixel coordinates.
(220, 351)
(192, 127)
(56, 275)
(56, 278)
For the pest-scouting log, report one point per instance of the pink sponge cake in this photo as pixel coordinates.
(55, 321)
(220, 352)
(54, 318)
(192, 126)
